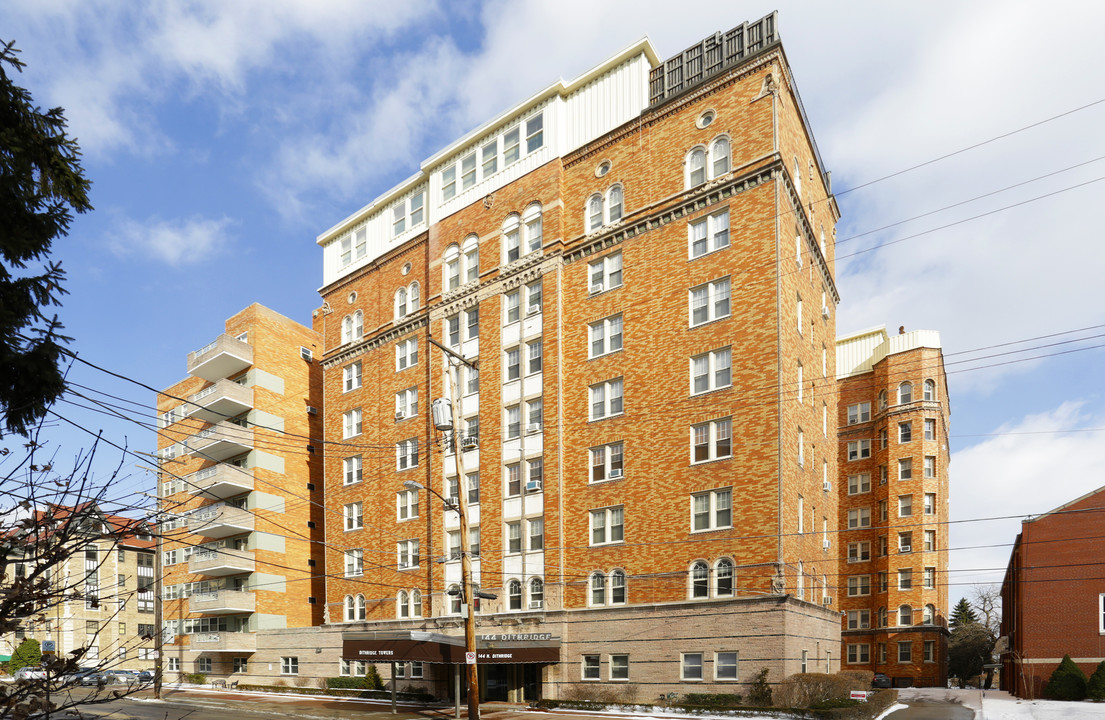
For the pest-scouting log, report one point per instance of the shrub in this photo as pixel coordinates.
(759, 692)
(857, 679)
(195, 678)
(29, 652)
(806, 689)
(372, 677)
(347, 683)
(1068, 682)
(1095, 687)
(711, 699)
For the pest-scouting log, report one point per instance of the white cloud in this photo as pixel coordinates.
(179, 242)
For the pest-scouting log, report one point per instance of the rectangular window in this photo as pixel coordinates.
(472, 384)
(905, 542)
(513, 422)
(468, 171)
(606, 336)
(859, 653)
(607, 526)
(406, 404)
(406, 504)
(905, 506)
(859, 552)
(472, 323)
(709, 302)
(512, 364)
(511, 146)
(489, 155)
(712, 510)
(417, 202)
(354, 563)
(905, 652)
(354, 516)
(711, 371)
(241, 665)
(590, 669)
(858, 484)
(406, 354)
(352, 469)
(536, 481)
(691, 666)
(930, 429)
(406, 454)
(449, 182)
(534, 299)
(859, 518)
(514, 537)
(351, 423)
(859, 413)
(289, 665)
(351, 376)
(905, 432)
(534, 352)
(535, 132)
(605, 273)
(535, 415)
(883, 435)
(619, 667)
(513, 480)
(859, 619)
(407, 552)
(905, 578)
(725, 666)
(399, 219)
(930, 503)
(930, 651)
(536, 534)
(928, 578)
(859, 449)
(511, 306)
(930, 540)
(709, 234)
(607, 462)
(930, 466)
(884, 513)
(711, 440)
(606, 399)
(452, 330)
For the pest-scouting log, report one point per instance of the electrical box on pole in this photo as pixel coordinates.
(442, 410)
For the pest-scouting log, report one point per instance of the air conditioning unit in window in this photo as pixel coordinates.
(535, 604)
(615, 473)
(905, 549)
(306, 354)
(864, 626)
(533, 309)
(312, 410)
(533, 486)
(533, 428)
(825, 312)
(596, 288)
(469, 443)
(399, 416)
(826, 600)
(827, 486)
(825, 544)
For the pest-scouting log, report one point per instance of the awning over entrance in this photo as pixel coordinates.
(417, 646)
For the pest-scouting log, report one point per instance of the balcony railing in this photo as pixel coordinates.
(220, 521)
(220, 481)
(221, 441)
(224, 357)
(222, 602)
(225, 399)
(224, 642)
(224, 561)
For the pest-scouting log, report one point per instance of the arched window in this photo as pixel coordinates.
(883, 617)
(412, 296)
(358, 325)
(617, 588)
(531, 220)
(362, 608)
(594, 212)
(905, 616)
(719, 157)
(928, 615)
(700, 580)
(905, 393)
(614, 205)
(882, 399)
(416, 603)
(347, 329)
(350, 609)
(598, 589)
(536, 594)
(514, 594)
(400, 303)
(512, 239)
(696, 167)
(471, 252)
(930, 390)
(801, 581)
(454, 599)
(401, 606)
(451, 280)
(723, 578)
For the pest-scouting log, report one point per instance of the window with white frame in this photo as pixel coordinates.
(883, 435)
(798, 313)
(351, 376)
(700, 579)
(905, 652)
(859, 653)
(406, 504)
(905, 468)
(354, 246)
(709, 302)
(905, 393)
(536, 593)
(929, 390)
(859, 585)
(696, 167)
(725, 666)
(532, 229)
(859, 518)
(712, 510)
(512, 364)
(535, 415)
(859, 413)
(930, 540)
(406, 454)
(606, 399)
(619, 667)
(512, 477)
(905, 579)
(930, 503)
(605, 208)
(859, 449)
(352, 470)
(512, 422)
(289, 665)
(605, 273)
(607, 526)
(719, 157)
(471, 381)
(930, 466)
(512, 238)
(905, 506)
(354, 563)
(513, 538)
(905, 542)
(451, 326)
(534, 359)
(472, 323)
(607, 462)
(859, 551)
(536, 535)
(406, 354)
(449, 182)
(711, 371)
(690, 666)
(712, 440)
(930, 651)
(450, 268)
(354, 516)
(512, 307)
(591, 669)
(406, 403)
(858, 484)
(352, 668)
(597, 585)
(535, 137)
(930, 429)
(905, 431)
(605, 336)
(928, 578)
(534, 298)
(859, 619)
(407, 552)
(352, 327)
(351, 423)
(723, 578)
(708, 234)
(468, 170)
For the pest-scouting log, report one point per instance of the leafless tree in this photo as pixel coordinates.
(986, 600)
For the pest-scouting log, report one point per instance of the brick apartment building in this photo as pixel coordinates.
(103, 596)
(640, 261)
(1053, 595)
(241, 483)
(893, 513)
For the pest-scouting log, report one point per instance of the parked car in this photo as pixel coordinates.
(121, 677)
(145, 676)
(90, 676)
(29, 673)
(880, 681)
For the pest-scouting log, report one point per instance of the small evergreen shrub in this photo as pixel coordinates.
(195, 678)
(372, 677)
(1095, 687)
(29, 653)
(347, 683)
(759, 693)
(1068, 682)
(711, 699)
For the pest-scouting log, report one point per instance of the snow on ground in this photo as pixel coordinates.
(999, 705)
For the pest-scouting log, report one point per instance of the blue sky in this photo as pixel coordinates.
(222, 137)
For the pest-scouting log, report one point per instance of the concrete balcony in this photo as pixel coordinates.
(220, 441)
(219, 521)
(222, 602)
(224, 642)
(224, 561)
(223, 358)
(225, 399)
(220, 481)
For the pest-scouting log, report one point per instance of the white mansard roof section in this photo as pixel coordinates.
(567, 115)
(859, 352)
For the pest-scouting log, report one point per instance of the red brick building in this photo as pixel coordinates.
(640, 261)
(1053, 595)
(893, 485)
